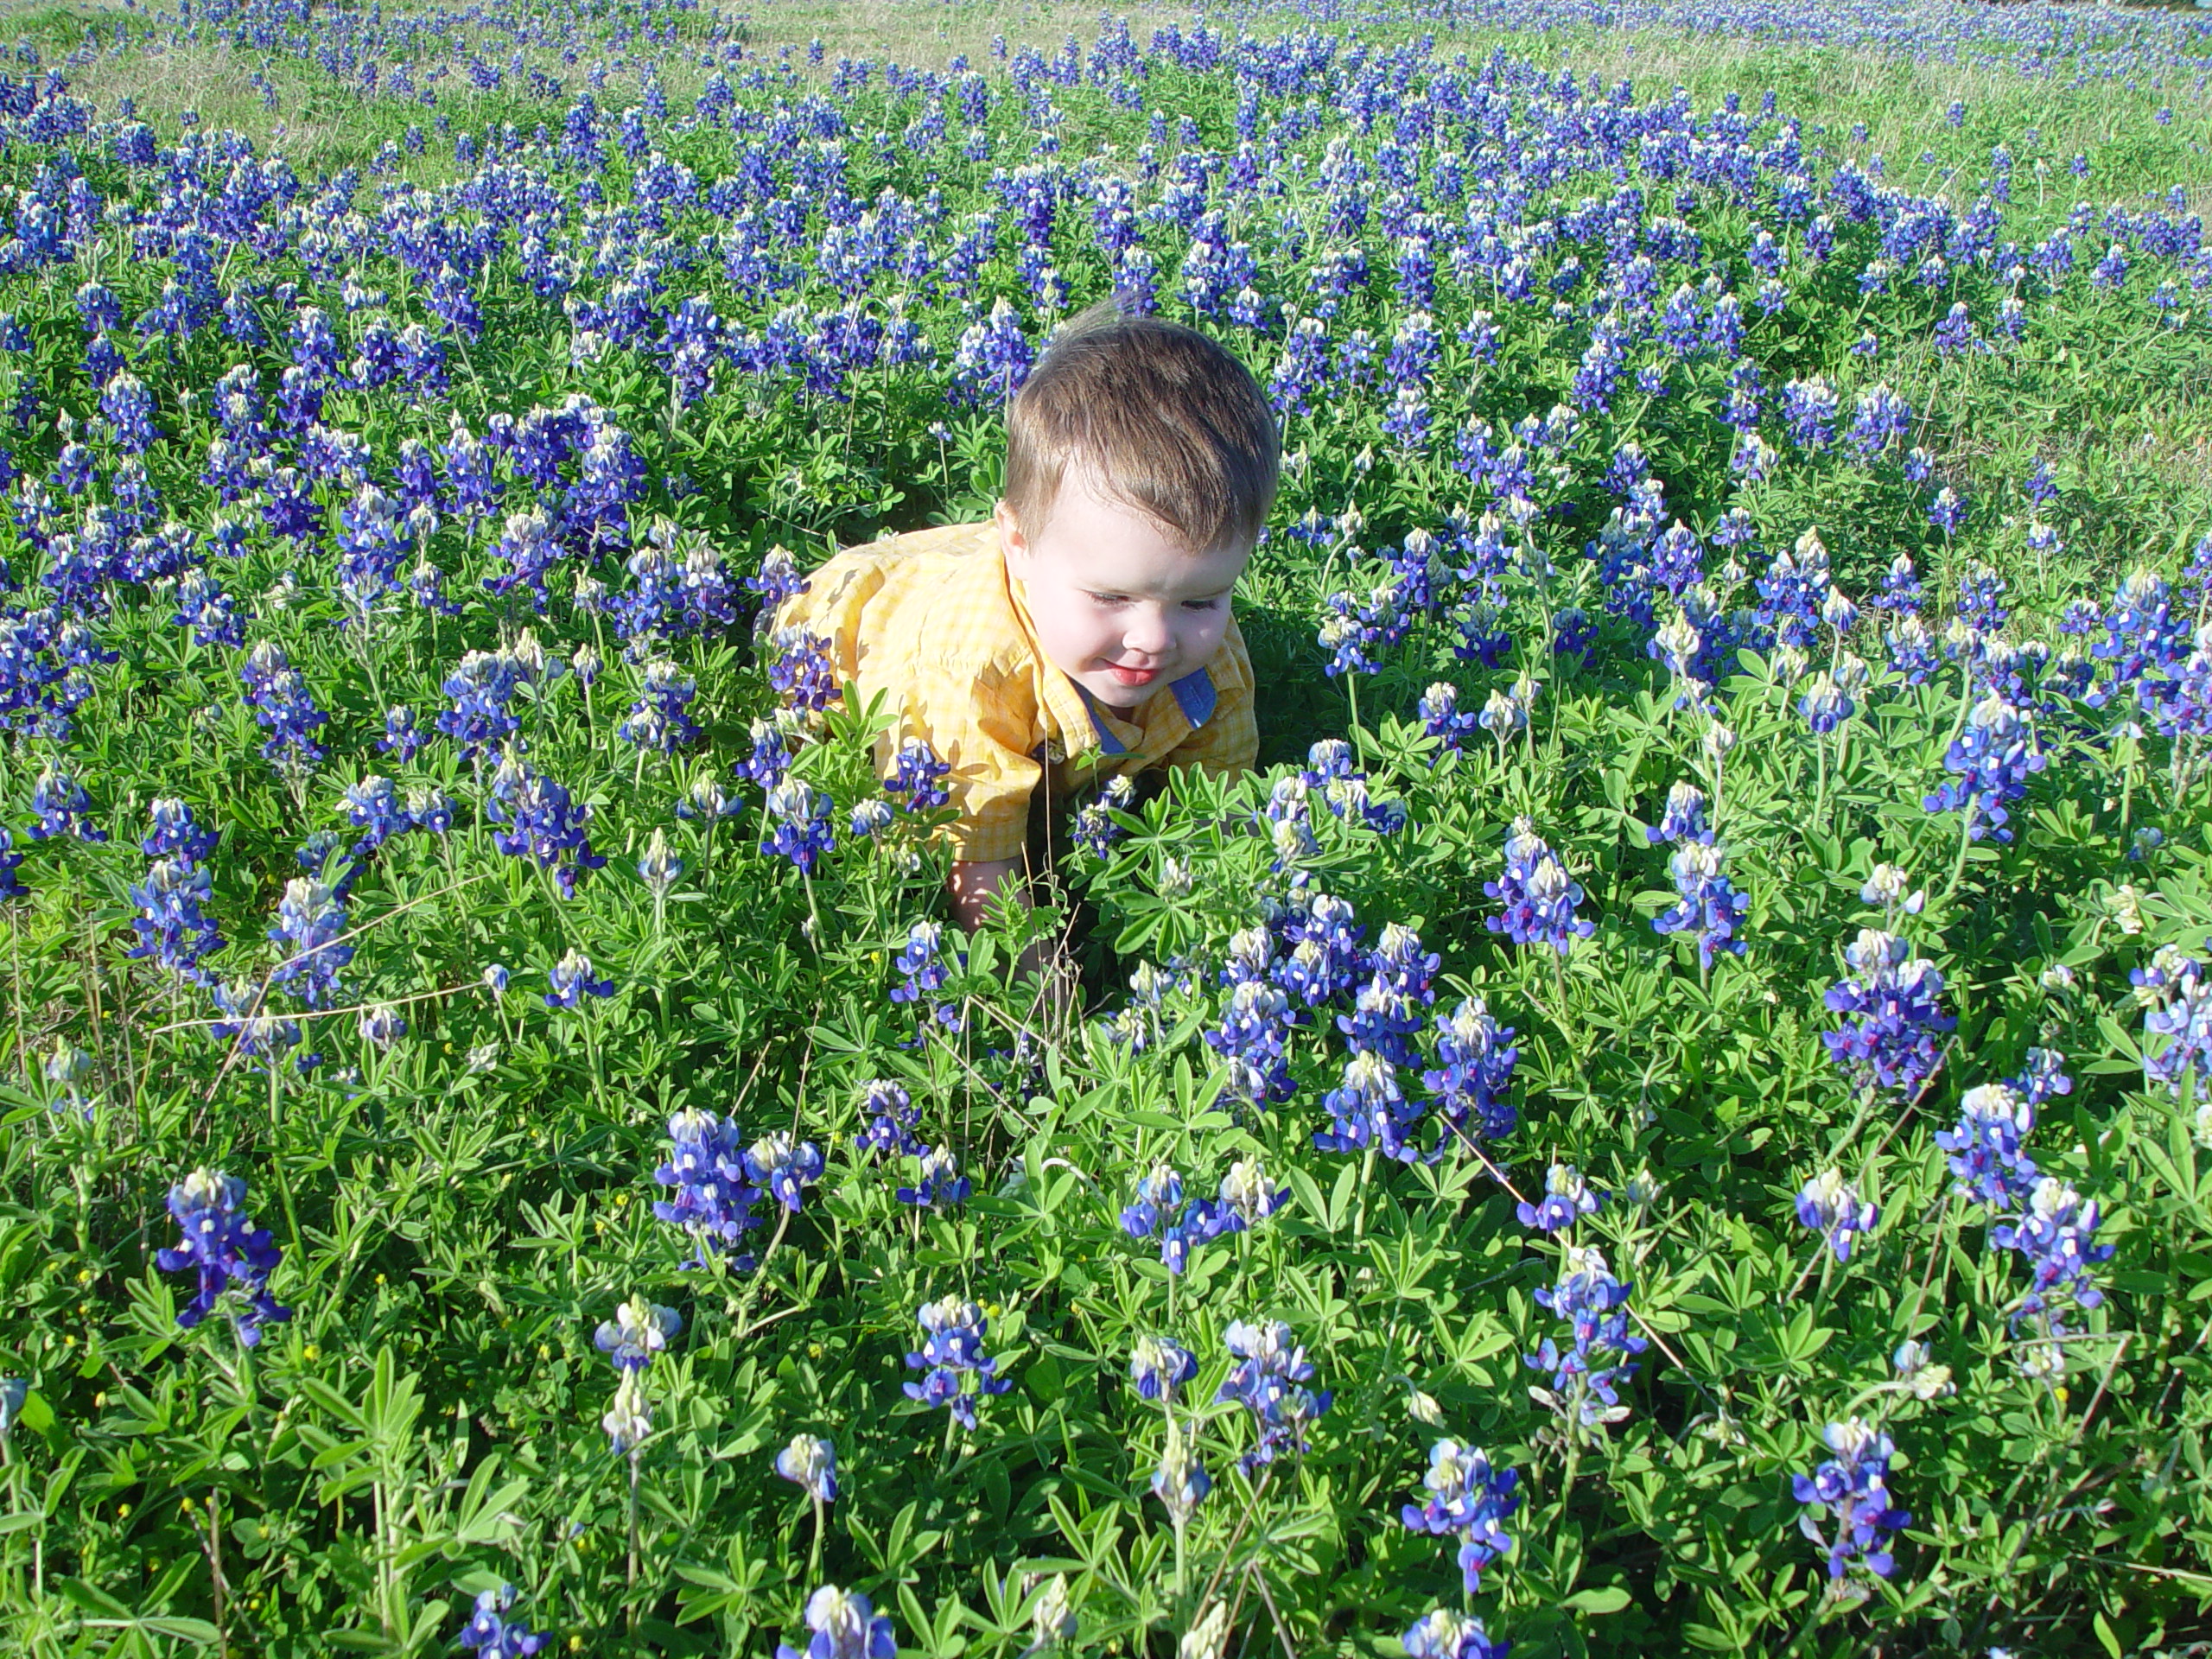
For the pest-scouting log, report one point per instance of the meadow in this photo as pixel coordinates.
(1670, 1115)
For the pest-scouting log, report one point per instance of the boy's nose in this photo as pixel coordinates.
(1148, 633)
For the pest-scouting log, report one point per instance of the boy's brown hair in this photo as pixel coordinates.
(1166, 420)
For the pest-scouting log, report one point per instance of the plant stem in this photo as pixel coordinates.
(634, 1460)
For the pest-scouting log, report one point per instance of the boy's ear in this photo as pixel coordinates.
(1011, 541)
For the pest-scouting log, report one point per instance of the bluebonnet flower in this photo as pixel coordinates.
(1441, 715)
(1441, 1633)
(1947, 510)
(1537, 893)
(2177, 1008)
(924, 970)
(938, 1183)
(804, 671)
(810, 1462)
(799, 827)
(640, 1332)
(771, 757)
(1252, 1041)
(1385, 1014)
(544, 822)
(1709, 903)
(1466, 1497)
(1268, 1382)
(629, 1418)
(1893, 999)
(571, 981)
(1368, 1111)
(782, 1170)
(257, 1033)
(11, 886)
(1982, 592)
(661, 717)
(491, 1634)
(1825, 705)
(917, 781)
(846, 1626)
(1159, 1367)
(430, 809)
(868, 818)
(1159, 1213)
(2181, 701)
(1918, 1374)
(1584, 1374)
(992, 360)
(1567, 1198)
(2142, 634)
(62, 807)
(222, 1245)
(1994, 756)
(1810, 407)
(482, 686)
(1400, 963)
(1325, 959)
(70, 1067)
(953, 1330)
(1246, 1197)
(1882, 420)
(711, 1196)
(1684, 818)
(283, 708)
(1831, 1207)
(891, 1130)
(1986, 1151)
(709, 801)
(309, 920)
(658, 868)
(2042, 1077)
(1345, 637)
(211, 614)
(1505, 711)
(1852, 1488)
(402, 738)
(778, 580)
(531, 549)
(1474, 1070)
(2054, 1233)
(1094, 828)
(173, 929)
(372, 807)
(1181, 1481)
(1912, 652)
(129, 409)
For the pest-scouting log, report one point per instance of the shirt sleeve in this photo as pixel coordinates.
(978, 722)
(1230, 741)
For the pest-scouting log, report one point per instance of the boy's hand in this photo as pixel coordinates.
(974, 886)
(973, 883)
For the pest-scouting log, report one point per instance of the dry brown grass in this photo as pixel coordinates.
(928, 35)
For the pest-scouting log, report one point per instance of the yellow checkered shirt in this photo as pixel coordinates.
(934, 619)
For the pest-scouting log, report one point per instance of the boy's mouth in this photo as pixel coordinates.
(1132, 676)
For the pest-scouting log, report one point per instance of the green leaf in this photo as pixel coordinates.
(1609, 1598)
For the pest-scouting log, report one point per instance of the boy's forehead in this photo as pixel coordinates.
(1109, 542)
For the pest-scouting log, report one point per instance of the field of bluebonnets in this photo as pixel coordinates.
(1671, 1116)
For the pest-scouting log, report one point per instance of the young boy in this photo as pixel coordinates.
(1084, 632)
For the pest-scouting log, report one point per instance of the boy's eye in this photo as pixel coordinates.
(1200, 604)
(1110, 599)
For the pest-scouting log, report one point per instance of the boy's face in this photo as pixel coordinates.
(1121, 609)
